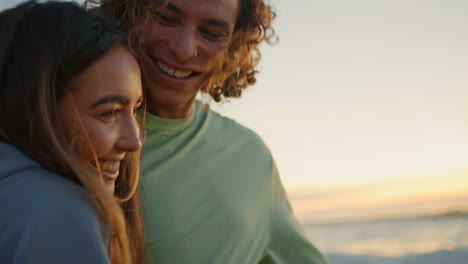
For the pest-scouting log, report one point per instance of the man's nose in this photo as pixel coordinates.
(184, 44)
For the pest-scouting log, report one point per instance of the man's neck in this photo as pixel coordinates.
(171, 112)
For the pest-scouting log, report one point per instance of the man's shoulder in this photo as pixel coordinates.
(227, 133)
(230, 127)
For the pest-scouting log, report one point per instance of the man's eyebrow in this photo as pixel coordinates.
(215, 22)
(218, 22)
(174, 9)
(112, 99)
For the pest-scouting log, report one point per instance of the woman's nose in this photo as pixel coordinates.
(129, 140)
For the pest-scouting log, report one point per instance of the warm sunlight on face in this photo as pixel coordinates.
(98, 115)
(187, 41)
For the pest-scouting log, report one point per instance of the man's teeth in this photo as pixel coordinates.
(173, 72)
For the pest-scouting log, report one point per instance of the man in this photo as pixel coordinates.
(210, 189)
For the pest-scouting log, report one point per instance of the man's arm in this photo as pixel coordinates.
(287, 243)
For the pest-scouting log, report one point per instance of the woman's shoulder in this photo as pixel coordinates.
(47, 213)
(24, 181)
(36, 187)
(39, 194)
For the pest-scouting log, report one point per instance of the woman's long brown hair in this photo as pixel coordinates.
(43, 48)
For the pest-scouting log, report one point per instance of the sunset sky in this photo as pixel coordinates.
(364, 104)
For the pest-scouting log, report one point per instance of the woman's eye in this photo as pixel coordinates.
(137, 110)
(110, 113)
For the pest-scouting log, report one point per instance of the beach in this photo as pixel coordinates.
(457, 256)
(424, 239)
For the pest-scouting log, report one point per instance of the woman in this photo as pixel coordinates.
(70, 94)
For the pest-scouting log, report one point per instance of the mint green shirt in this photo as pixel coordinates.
(211, 194)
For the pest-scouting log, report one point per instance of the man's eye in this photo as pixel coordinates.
(212, 34)
(165, 19)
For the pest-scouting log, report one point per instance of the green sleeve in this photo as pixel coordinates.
(287, 243)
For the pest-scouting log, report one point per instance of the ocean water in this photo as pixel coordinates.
(427, 239)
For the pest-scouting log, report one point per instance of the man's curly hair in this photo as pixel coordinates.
(237, 71)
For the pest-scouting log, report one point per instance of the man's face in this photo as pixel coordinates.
(186, 43)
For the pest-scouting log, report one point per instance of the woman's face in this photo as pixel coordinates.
(98, 115)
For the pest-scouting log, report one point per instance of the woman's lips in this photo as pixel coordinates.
(110, 175)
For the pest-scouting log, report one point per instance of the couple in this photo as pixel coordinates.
(209, 190)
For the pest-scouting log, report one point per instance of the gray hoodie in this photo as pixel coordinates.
(44, 218)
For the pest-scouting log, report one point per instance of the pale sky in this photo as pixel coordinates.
(362, 92)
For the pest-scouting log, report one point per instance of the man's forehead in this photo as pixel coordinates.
(211, 4)
(220, 12)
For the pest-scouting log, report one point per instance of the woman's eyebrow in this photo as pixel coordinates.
(112, 99)
(140, 100)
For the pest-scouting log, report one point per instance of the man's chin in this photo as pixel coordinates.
(171, 104)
